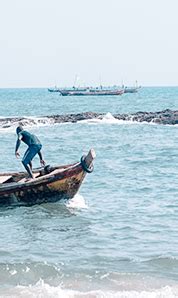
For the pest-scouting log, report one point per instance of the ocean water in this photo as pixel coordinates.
(118, 237)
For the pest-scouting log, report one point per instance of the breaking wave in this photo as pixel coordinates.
(108, 118)
(42, 289)
(55, 280)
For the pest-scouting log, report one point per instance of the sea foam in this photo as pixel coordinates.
(77, 202)
(42, 289)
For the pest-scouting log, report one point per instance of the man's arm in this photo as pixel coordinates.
(41, 158)
(18, 145)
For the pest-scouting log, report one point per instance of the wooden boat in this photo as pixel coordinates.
(52, 183)
(131, 89)
(91, 92)
(55, 89)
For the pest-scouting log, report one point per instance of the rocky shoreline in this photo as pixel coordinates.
(162, 117)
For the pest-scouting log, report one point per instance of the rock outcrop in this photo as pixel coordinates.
(162, 117)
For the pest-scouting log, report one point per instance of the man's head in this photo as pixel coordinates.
(19, 129)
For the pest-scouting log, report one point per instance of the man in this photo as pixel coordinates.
(34, 147)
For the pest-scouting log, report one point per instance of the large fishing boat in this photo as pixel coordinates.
(69, 89)
(52, 183)
(99, 90)
(91, 92)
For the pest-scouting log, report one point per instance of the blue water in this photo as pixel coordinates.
(118, 237)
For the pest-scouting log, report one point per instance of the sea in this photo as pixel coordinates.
(118, 237)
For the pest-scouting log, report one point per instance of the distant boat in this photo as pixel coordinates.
(69, 89)
(131, 89)
(100, 90)
(92, 92)
(52, 183)
(55, 89)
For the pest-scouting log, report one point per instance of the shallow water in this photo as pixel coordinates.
(118, 236)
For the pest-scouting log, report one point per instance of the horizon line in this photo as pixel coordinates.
(43, 87)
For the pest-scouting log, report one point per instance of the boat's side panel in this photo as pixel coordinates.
(68, 185)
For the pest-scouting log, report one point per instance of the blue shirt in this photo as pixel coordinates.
(27, 138)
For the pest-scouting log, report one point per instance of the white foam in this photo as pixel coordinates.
(77, 202)
(27, 269)
(28, 122)
(42, 289)
(108, 118)
(13, 272)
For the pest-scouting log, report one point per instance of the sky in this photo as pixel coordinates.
(51, 42)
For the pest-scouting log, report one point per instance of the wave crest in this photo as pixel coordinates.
(42, 289)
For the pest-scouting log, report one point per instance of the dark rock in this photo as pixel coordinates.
(161, 117)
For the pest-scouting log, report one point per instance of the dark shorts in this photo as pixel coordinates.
(30, 153)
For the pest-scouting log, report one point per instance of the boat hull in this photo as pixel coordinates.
(92, 93)
(60, 183)
(130, 90)
(53, 90)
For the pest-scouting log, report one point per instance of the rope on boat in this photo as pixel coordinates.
(84, 165)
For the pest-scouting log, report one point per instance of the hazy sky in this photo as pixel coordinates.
(48, 42)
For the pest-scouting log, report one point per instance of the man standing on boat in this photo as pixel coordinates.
(34, 147)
